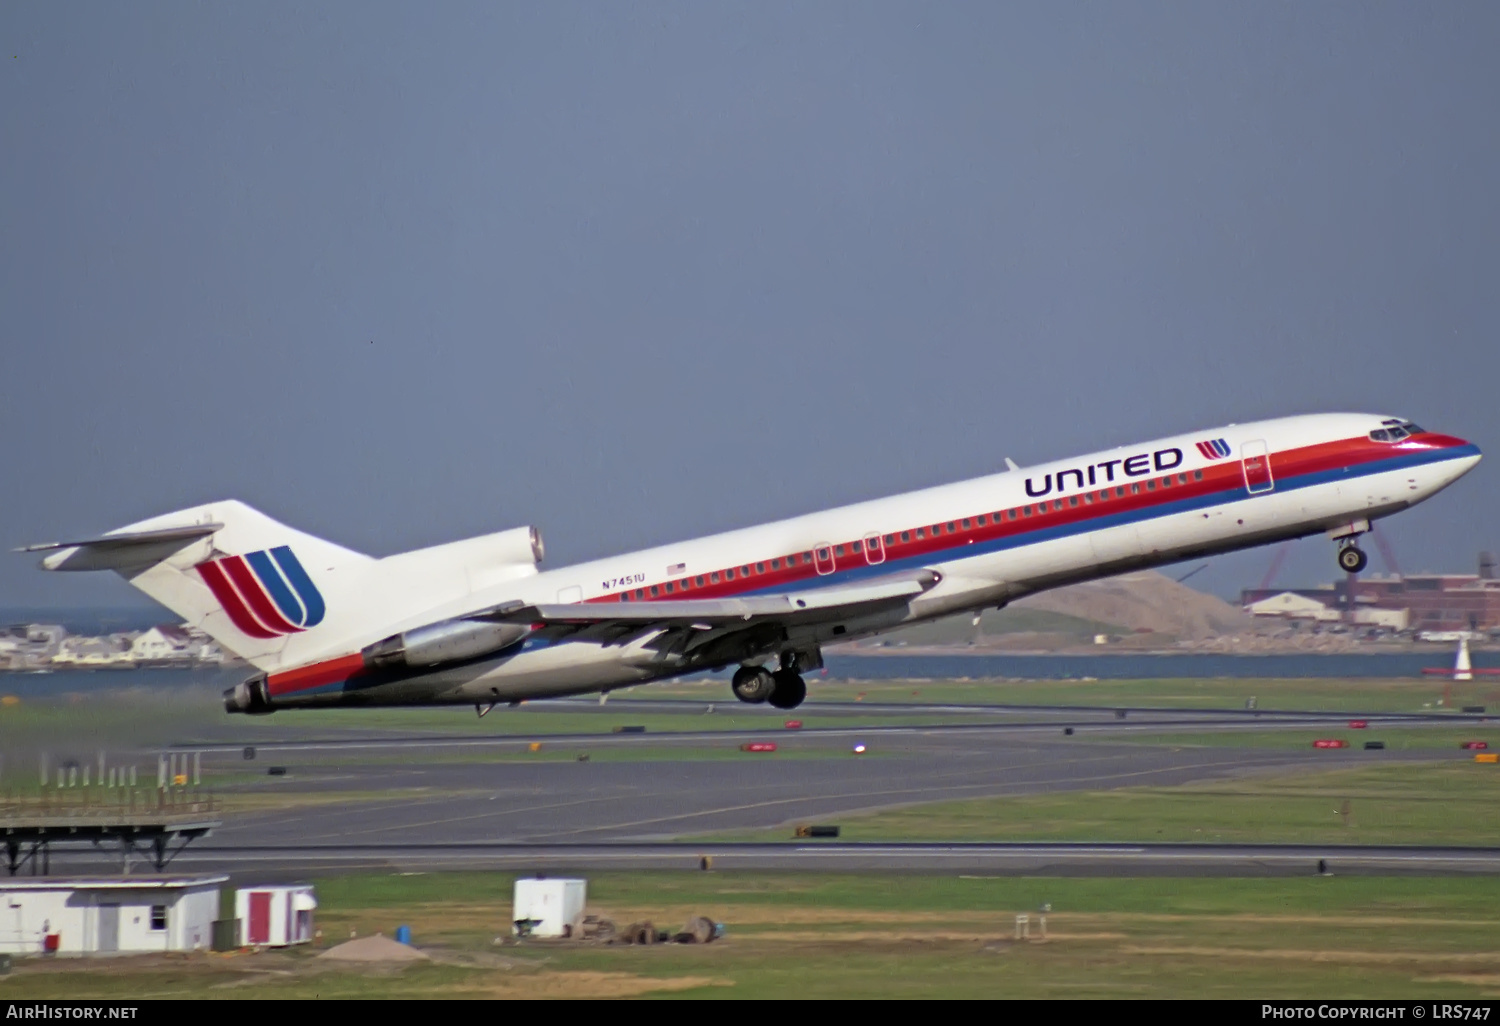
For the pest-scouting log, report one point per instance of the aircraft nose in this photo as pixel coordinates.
(1466, 459)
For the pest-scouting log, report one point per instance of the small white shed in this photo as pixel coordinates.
(107, 915)
(275, 915)
(548, 907)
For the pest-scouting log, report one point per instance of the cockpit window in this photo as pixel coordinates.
(1394, 431)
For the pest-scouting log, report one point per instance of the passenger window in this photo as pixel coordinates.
(1150, 486)
(1026, 510)
(857, 547)
(1182, 479)
(1104, 494)
(1073, 501)
(655, 591)
(983, 519)
(791, 561)
(1197, 475)
(890, 539)
(624, 596)
(921, 533)
(966, 525)
(822, 553)
(640, 593)
(838, 550)
(1013, 514)
(729, 574)
(951, 528)
(1166, 482)
(906, 536)
(760, 568)
(1057, 505)
(1088, 497)
(714, 577)
(775, 564)
(700, 582)
(1120, 492)
(1135, 489)
(807, 557)
(744, 571)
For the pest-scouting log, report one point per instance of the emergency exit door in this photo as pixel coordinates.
(1256, 460)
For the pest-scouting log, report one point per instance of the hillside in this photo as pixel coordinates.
(1147, 604)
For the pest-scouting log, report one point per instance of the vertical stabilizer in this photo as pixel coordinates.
(269, 593)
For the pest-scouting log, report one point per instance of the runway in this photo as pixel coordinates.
(590, 800)
(1092, 860)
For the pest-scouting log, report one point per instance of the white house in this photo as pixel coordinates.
(107, 915)
(275, 915)
(162, 643)
(1292, 606)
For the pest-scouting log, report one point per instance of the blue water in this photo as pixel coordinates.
(1144, 666)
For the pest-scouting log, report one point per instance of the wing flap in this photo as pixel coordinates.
(814, 604)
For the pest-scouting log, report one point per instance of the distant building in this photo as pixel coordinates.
(108, 915)
(164, 643)
(1424, 602)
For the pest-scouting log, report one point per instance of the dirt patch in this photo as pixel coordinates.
(584, 985)
(374, 949)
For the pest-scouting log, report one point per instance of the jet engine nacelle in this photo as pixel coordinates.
(448, 642)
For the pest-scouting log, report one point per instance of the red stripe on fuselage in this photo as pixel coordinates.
(330, 672)
(260, 603)
(228, 598)
(1220, 476)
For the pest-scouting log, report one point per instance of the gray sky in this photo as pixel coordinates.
(404, 273)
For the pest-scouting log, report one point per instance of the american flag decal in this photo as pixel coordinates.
(1214, 449)
(676, 568)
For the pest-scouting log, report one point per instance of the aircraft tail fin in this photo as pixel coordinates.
(264, 591)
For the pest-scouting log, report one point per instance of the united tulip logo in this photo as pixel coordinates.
(267, 594)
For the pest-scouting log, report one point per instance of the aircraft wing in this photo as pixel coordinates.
(813, 605)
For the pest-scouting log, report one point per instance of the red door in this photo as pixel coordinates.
(823, 559)
(260, 917)
(874, 549)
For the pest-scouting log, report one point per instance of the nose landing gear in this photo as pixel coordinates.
(1352, 558)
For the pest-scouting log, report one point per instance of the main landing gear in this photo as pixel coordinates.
(784, 689)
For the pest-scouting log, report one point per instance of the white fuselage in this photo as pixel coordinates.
(989, 540)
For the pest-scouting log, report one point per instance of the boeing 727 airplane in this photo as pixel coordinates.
(477, 622)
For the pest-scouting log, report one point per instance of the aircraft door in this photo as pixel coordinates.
(823, 558)
(1255, 458)
(874, 549)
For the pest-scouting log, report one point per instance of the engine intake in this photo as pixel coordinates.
(448, 642)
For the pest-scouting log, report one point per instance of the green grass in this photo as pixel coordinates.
(1400, 739)
(1411, 803)
(878, 935)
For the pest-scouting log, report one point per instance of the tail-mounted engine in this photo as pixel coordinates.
(451, 641)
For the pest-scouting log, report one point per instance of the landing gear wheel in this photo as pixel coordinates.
(1352, 559)
(790, 691)
(753, 684)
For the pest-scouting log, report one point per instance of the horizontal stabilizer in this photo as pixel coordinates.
(120, 551)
